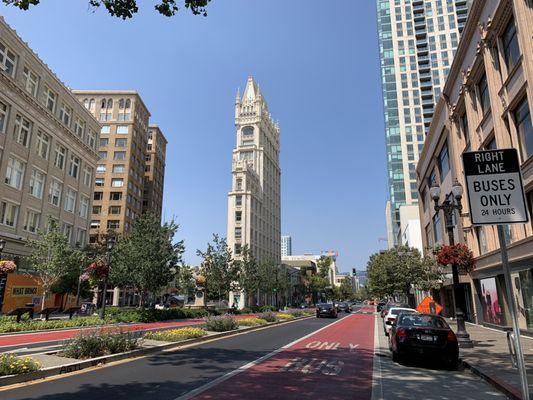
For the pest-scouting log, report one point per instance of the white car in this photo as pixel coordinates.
(391, 316)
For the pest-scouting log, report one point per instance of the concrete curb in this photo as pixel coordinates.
(506, 389)
(93, 362)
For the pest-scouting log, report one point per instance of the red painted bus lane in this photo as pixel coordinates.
(333, 363)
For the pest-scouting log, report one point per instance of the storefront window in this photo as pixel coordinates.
(490, 297)
(526, 286)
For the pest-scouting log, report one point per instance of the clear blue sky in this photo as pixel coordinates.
(318, 67)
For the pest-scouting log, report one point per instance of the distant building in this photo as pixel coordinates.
(410, 233)
(286, 246)
(154, 171)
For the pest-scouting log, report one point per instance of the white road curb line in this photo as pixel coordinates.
(377, 382)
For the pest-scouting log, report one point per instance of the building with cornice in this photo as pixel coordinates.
(254, 217)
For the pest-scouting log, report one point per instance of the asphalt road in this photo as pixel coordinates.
(168, 375)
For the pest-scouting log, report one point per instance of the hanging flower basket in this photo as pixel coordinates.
(459, 255)
(7, 266)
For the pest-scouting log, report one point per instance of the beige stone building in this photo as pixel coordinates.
(486, 104)
(154, 175)
(122, 148)
(254, 200)
(48, 152)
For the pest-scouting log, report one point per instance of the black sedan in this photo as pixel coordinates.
(343, 307)
(424, 335)
(326, 310)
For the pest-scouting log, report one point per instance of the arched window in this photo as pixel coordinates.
(86, 103)
(91, 104)
(121, 103)
(104, 103)
(248, 131)
(128, 103)
(109, 103)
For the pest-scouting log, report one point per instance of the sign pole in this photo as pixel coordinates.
(512, 306)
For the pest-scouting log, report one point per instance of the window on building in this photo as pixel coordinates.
(522, 117)
(31, 81)
(22, 131)
(8, 60)
(115, 196)
(70, 200)
(54, 192)
(114, 210)
(60, 156)
(511, 50)
(43, 144)
(105, 129)
(79, 127)
(437, 228)
(122, 129)
(49, 99)
(84, 206)
(113, 224)
(74, 166)
(483, 91)
(238, 233)
(3, 117)
(8, 213)
(463, 120)
(238, 200)
(87, 176)
(117, 182)
(97, 210)
(238, 216)
(65, 114)
(90, 138)
(238, 248)
(95, 224)
(444, 162)
(99, 182)
(98, 196)
(15, 173)
(66, 230)
(101, 168)
(102, 155)
(31, 221)
(37, 180)
(119, 155)
(239, 184)
(121, 142)
(104, 142)
(81, 237)
(481, 239)
(118, 168)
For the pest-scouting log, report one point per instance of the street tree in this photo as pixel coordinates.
(68, 283)
(319, 282)
(145, 259)
(219, 269)
(396, 270)
(248, 270)
(184, 279)
(346, 290)
(128, 8)
(51, 257)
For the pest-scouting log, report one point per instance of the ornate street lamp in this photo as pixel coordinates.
(110, 244)
(449, 206)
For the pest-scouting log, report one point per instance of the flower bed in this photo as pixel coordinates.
(268, 316)
(13, 365)
(284, 316)
(221, 323)
(96, 344)
(176, 335)
(252, 321)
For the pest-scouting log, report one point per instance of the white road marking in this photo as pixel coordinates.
(201, 389)
(377, 382)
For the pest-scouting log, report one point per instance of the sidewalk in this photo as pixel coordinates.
(490, 358)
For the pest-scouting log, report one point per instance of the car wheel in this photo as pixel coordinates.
(396, 356)
(452, 363)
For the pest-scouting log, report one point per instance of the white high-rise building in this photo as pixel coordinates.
(286, 246)
(254, 217)
(417, 42)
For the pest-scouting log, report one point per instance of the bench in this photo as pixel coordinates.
(71, 311)
(19, 312)
(47, 311)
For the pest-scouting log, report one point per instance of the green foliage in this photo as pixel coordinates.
(248, 271)
(37, 325)
(222, 323)
(96, 344)
(395, 270)
(345, 290)
(252, 321)
(268, 316)
(267, 308)
(219, 268)
(176, 335)
(145, 259)
(52, 257)
(13, 365)
(184, 279)
(128, 8)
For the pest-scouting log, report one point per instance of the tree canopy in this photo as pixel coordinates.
(128, 8)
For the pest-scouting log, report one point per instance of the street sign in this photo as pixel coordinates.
(494, 187)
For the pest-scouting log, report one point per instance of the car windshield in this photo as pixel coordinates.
(325, 305)
(429, 321)
(396, 311)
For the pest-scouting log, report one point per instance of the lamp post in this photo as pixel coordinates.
(110, 244)
(448, 206)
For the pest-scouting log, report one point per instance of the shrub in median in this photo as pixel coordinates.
(96, 344)
(268, 308)
(13, 365)
(268, 316)
(252, 321)
(176, 335)
(284, 316)
(222, 323)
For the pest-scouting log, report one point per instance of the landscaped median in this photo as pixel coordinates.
(98, 346)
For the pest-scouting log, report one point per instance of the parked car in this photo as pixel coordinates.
(343, 307)
(424, 335)
(391, 316)
(389, 305)
(326, 310)
(380, 306)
